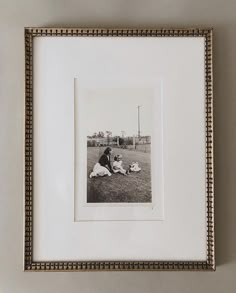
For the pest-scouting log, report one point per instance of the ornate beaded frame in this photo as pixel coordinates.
(29, 263)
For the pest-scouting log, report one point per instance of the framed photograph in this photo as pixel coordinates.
(118, 149)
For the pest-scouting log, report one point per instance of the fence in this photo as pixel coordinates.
(141, 144)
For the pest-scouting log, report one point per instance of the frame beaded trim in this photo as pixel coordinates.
(29, 263)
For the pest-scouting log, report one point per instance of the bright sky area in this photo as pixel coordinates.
(116, 110)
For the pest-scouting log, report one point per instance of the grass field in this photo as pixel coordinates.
(135, 187)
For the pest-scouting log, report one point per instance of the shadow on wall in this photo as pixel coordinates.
(225, 143)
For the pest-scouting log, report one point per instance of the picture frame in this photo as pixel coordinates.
(35, 126)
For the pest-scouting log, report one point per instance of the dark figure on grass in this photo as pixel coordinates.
(103, 167)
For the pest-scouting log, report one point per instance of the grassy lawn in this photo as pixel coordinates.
(135, 187)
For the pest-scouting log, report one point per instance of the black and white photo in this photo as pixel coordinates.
(119, 145)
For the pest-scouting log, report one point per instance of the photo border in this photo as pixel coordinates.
(29, 263)
(156, 212)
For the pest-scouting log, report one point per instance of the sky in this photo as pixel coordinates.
(116, 110)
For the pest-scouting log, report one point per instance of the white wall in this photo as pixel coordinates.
(14, 15)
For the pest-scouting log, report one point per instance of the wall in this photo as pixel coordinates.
(14, 15)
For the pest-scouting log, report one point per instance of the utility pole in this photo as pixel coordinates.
(139, 121)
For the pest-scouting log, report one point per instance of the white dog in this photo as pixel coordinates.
(134, 167)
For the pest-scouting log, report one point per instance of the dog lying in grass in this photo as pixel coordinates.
(134, 167)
